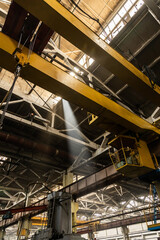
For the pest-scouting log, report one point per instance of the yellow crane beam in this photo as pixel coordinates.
(59, 19)
(55, 80)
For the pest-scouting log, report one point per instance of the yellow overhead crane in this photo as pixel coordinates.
(129, 156)
(59, 19)
(53, 79)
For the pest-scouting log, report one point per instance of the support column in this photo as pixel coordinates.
(23, 228)
(74, 207)
(2, 234)
(67, 179)
(125, 232)
(91, 236)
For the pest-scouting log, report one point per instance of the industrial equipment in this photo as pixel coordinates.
(59, 224)
(131, 157)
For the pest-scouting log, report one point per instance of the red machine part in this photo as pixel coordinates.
(25, 209)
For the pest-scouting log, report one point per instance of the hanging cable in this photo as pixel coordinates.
(9, 95)
(22, 61)
(88, 15)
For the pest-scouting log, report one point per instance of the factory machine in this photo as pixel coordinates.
(59, 224)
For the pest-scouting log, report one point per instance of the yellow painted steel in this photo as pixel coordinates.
(21, 59)
(23, 228)
(74, 207)
(92, 118)
(67, 179)
(154, 227)
(55, 80)
(131, 158)
(145, 156)
(67, 25)
(39, 221)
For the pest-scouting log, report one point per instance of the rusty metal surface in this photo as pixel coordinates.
(26, 214)
(25, 209)
(18, 21)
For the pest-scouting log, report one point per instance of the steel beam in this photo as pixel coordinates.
(119, 223)
(153, 9)
(12, 199)
(38, 207)
(55, 80)
(93, 182)
(78, 189)
(59, 19)
(52, 131)
(10, 189)
(25, 209)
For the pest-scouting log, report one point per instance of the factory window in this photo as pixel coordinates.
(122, 17)
(86, 61)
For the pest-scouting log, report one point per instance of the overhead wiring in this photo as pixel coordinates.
(88, 15)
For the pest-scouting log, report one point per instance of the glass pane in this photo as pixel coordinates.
(108, 40)
(102, 36)
(82, 60)
(115, 32)
(91, 60)
(107, 30)
(111, 25)
(128, 5)
(116, 19)
(120, 26)
(122, 12)
(133, 11)
(139, 4)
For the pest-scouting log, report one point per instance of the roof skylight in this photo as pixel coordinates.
(123, 16)
(116, 24)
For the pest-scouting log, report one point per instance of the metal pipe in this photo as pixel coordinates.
(32, 145)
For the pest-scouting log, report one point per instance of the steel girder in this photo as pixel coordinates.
(55, 80)
(59, 19)
(78, 189)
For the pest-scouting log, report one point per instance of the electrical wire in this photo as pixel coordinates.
(88, 15)
(94, 19)
(9, 95)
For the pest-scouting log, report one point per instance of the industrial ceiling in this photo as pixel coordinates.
(43, 135)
